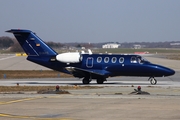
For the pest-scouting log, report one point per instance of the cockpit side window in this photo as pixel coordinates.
(133, 60)
(142, 60)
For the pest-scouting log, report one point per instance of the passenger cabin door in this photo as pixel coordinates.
(89, 62)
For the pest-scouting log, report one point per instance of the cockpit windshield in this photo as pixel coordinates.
(139, 59)
(142, 59)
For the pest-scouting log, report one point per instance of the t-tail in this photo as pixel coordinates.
(37, 50)
(31, 43)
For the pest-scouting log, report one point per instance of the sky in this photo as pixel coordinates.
(94, 21)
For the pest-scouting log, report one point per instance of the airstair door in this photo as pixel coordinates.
(89, 62)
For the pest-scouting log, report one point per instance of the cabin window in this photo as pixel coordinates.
(133, 60)
(113, 60)
(121, 60)
(99, 59)
(106, 59)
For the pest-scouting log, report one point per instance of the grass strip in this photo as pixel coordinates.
(41, 88)
(18, 74)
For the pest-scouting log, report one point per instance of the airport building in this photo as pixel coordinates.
(137, 46)
(111, 45)
(175, 45)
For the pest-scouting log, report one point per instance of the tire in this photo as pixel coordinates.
(153, 81)
(100, 81)
(85, 81)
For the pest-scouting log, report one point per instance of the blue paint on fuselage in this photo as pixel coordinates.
(114, 68)
(127, 67)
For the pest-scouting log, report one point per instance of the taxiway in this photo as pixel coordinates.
(112, 101)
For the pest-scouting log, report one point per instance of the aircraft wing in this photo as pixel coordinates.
(75, 70)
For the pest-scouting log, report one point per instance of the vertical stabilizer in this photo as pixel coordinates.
(31, 43)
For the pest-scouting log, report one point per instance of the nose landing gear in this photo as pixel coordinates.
(152, 80)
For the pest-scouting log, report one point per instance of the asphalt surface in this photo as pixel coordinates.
(112, 101)
(12, 62)
(115, 81)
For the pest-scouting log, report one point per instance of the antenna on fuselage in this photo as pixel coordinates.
(90, 52)
(82, 52)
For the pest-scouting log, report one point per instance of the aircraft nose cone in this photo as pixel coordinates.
(169, 72)
(164, 71)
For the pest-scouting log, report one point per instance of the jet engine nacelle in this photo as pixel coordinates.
(72, 57)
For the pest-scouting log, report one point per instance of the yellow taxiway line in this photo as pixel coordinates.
(30, 117)
(26, 99)
(5, 115)
(20, 100)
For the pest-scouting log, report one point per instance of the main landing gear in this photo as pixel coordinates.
(87, 80)
(101, 80)
(152, 80)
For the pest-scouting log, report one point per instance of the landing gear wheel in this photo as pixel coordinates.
(100, 80)
(153, 81)
(85, 81)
